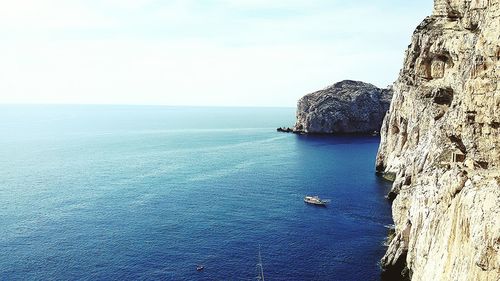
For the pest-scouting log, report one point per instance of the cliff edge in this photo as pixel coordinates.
(441, 142)
(344, 108)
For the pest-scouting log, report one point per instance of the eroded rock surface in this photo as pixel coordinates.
(441, 140)
(343, 108)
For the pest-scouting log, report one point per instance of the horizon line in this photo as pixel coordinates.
(145, 104)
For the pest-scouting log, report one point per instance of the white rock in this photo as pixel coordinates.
(446, 105)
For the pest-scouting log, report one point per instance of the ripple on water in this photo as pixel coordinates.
(131, 199)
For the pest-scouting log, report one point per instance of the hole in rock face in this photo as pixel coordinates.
(443, 56)
(457, 157)
(471, 116)
(395, 130)
(459, 143)
(443, 96)
(454, 15)
(439, 115)
(407, 180)
(483, 164)
(473, 26)
(391, 196)
(380, 167)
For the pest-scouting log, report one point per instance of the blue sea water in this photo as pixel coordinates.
(149, 192)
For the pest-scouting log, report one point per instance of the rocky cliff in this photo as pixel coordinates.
(345, 107)
(441, 142)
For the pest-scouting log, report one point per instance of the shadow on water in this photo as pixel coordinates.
(338, 139)
(343, 169)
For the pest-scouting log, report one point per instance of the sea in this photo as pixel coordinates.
(101, 192)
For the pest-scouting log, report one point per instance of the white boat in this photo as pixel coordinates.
(315, 200)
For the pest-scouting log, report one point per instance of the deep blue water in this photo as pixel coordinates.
(147, 193)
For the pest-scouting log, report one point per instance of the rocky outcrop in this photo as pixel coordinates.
(343, 108)
(441, 141)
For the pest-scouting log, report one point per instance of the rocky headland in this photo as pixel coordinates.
(440, 142)
(347, 107)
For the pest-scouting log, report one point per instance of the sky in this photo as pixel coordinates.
(198, 52)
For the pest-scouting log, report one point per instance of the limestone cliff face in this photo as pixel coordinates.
(441, 140)
(345, 107)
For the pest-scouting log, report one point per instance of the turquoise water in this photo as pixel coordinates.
(147, 193)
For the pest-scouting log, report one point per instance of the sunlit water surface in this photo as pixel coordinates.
(147, 193)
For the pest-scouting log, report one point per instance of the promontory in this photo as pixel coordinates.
(344, 108)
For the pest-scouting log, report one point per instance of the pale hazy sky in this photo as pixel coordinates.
(198, 52)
